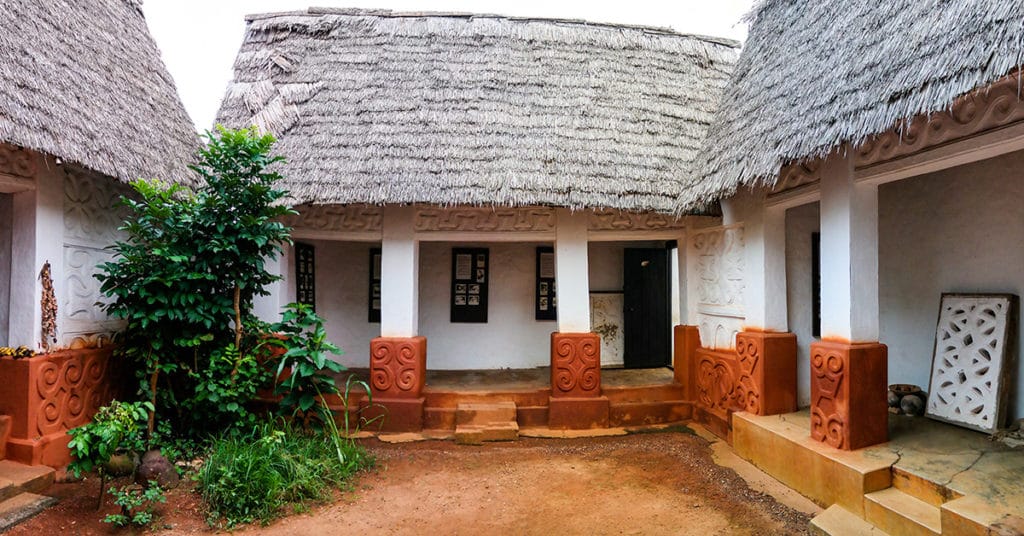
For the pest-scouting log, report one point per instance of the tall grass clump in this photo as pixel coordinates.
(254, 477)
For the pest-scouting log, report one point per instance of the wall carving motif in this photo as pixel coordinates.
(92, 208)
(70, 388)
(725, 381)
(485, 219)
(968, 375)
(575, 364)
(798, 174)
(618, 220)
(398, 366)
(718, 259)
(343, 218)
(17, 162)
(986, 109)
(828, 404)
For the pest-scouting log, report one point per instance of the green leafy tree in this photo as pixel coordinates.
(185, 277)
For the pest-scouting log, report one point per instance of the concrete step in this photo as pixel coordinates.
(21, 507)
(652, 412)
(485, 413)
(901, 514)
(471, 434)
(838, 521)
(24, 478)
(919, 487)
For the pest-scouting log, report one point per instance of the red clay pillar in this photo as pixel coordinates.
(576, 401)
(769, 361)
(684, 358)
(848, 383)
(398, 369)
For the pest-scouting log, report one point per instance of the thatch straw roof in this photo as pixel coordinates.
(381, 107)
(815, 75)
(83, 80)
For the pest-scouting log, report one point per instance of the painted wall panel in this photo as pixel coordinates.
(342, 290)
(800, 223)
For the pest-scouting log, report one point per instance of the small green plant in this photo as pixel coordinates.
(254, 477)
(137, 504)
(225, 388)
(115, 429)
(306, 357)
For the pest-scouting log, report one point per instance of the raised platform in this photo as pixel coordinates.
(929, 478)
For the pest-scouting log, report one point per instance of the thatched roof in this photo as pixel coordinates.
(83, 80)
(381, 107)
(815, 75)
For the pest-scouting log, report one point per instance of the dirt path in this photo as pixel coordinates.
(655, 483)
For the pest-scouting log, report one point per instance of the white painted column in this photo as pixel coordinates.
(849, 254)
(572, 272)
(764, 237)
(677, 270)
(37, 237)
(399, 271)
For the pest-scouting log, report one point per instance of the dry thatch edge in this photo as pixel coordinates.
(739, 153)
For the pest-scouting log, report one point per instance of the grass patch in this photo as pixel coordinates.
(254, 477)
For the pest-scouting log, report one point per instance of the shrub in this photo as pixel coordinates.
(306, 356)
(137, 504)
(117, 428)
(251, 478)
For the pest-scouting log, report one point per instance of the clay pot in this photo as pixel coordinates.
(893, 399)
(155, 466)
(912, 405)
(904, 389)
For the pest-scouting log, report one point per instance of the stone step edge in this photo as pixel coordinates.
(903, 505)
(838, 521)
(22, 507)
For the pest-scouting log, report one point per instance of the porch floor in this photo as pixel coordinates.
(530, 379)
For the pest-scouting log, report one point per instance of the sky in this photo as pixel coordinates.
(200, 38)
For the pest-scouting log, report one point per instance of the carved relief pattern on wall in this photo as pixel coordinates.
(718, 259)
(619, 220)
(968, 367)
(70, 390)
(725, 381)
(798, 174)
(828, 408)
(397, 366)
(342, 218)
(17, 162)
(92, 215)
(576, 365)
(485, 219)
(985, 109)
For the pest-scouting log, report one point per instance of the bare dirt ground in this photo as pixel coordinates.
(654, 483)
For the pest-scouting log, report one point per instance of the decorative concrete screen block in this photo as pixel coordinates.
(398, 366)
(971, 363)
(575, 364)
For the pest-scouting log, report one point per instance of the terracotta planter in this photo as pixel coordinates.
(47, 395)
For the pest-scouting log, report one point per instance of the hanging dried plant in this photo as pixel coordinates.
(48, 305)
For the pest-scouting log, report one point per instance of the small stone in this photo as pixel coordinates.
(912, 405)
(156, 467)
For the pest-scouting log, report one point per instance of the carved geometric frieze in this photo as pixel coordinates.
(718, 331)
(985, 109)
(343, 218)
(16, 161)
(725, 381)
(92, 208)
(970, 372)
(575, 364)
(535, 219)
(718, 253)
(798, 174)
(618, 220)
(398, 366)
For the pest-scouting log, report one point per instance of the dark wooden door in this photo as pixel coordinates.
(646, 316)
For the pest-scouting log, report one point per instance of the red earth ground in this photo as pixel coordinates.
(653, 483)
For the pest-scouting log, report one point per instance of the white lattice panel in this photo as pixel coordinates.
(968, 380)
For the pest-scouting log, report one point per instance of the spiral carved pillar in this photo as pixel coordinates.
(576, 401)
(398, 368)
(848, 382)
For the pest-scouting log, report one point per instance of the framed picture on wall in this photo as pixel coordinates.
(544, 288)
(305, 274)
(374, 301)
(470, 267)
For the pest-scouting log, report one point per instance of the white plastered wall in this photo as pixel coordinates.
(957, 230)
(342, 294)
(6, 221)
(801, 222)
(511, 338)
